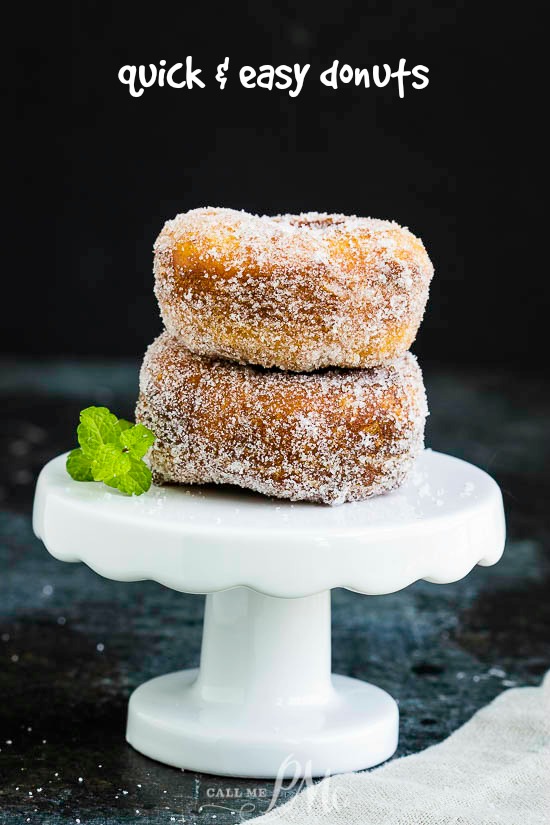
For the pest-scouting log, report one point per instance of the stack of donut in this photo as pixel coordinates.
(284, 364)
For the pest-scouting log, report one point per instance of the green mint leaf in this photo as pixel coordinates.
(137, 440)
(79, 466)
(136, 481)
(110, 463)
(124, 425)
(110, 451)
(98, 426)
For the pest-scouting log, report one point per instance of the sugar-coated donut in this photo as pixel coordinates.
(329, 436)
(299, 292)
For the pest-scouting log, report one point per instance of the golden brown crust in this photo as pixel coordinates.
(330, 436)
(296, 292)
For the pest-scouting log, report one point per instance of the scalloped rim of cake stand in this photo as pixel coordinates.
(444, 520)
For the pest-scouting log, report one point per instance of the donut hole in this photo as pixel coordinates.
(314, 220)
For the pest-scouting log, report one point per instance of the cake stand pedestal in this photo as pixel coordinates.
(264, 702)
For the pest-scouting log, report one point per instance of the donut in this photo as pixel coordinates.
(329, 436)
(298, 292)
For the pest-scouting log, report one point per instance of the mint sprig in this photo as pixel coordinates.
(111, 450)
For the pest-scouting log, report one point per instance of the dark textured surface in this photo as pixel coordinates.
(73, 646)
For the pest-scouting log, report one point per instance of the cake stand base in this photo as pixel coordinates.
(264, 702)
(356, 728)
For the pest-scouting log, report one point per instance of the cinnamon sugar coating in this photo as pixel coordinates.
(330, 436)
(298, 292)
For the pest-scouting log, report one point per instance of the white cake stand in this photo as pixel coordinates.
(264, 702)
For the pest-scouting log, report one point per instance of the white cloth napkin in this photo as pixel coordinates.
(495, 770)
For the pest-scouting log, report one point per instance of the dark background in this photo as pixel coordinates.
(100, 171)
